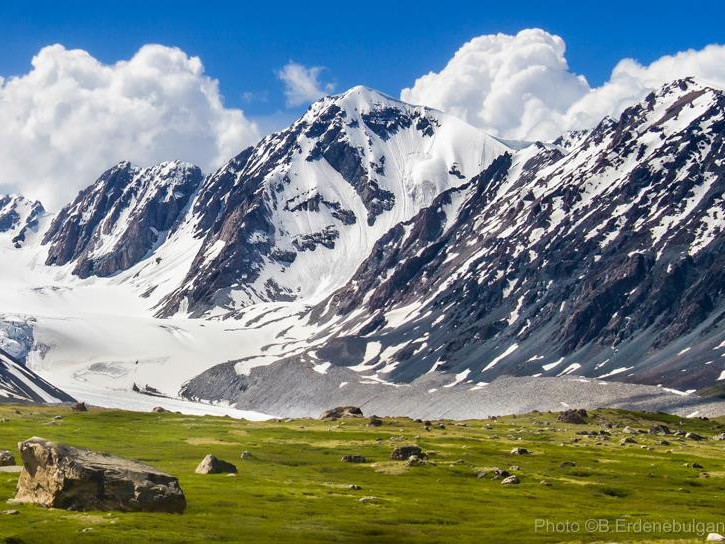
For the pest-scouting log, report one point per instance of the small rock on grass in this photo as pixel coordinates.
(375, 421)
(352, 459)
(7, 459)
(246, 454)
(402, 453)
(10, 512)
(520, 451)
(370, 500)
(212, 465)
(715, 537)
(511, 480)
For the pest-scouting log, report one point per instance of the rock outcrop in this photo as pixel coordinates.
(342, 412)
(61, 476)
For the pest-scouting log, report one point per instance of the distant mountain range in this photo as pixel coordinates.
(414, 243)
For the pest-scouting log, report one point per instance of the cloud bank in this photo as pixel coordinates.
(302, 84)
(71, 117)
(521, 87)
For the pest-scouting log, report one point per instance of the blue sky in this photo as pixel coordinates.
(386, 45)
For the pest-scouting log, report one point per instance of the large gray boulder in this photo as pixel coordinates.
(61, 476)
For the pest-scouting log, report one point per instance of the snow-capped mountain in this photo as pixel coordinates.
(290, 218)
(18, 218)
(402, 244)
(120, 219)
(601, 255)
(293, 217)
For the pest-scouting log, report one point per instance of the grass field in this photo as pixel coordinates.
(296, 489)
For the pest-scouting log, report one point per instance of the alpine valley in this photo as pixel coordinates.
(388, 256)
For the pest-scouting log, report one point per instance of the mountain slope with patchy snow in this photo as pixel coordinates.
(601, 255)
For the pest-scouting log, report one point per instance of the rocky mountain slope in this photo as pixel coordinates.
(18, 218)
(19, 384)
(121, 218)
(603, 257)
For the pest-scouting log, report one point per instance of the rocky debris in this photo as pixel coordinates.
(545, 483)
(7, 459)
(714, 537)
(212, 465)
(354, 487)
(375, 421)
(575, 416)
(520, 451)
(500, 474)
(630, 430)
(159, 409)
(370, 500)
(79, 407)
(511, 480)
(720, 436)
(246, 454)
(353, 459)
(415, 461)
(61, 476)
(697, 465)
(567, 464)
(694, 436)
(341, 412)
(402, 453)
(10, 513)
(659, 429)
(627, 440)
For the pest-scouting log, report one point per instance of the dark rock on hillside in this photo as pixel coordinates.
(342, 412)
(578, 416)
(60, 476)
(7, 459)
(660, 428)
(353, 459)
(402, 453)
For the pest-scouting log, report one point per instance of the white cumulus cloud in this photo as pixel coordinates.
(71, 117)
(302, 83)
(521, 86)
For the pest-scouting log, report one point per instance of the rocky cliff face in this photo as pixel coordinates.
(121, 218)
(599, 255)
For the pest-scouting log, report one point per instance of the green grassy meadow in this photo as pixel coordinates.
(296, 489)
